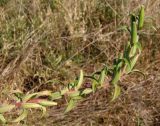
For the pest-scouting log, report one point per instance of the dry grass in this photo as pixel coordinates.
(41, 40)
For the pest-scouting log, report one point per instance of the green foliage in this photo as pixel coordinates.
(131, 55)
(75, 91)
(117, 92)
(71, 105)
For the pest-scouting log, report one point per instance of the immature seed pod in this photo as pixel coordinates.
(134, 36)
(141, 18)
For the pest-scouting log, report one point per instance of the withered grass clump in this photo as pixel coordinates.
(44, 44)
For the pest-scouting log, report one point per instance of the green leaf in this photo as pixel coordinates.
(127, 65)
(22, 116)
(74, 94)
(56, 95)
(116, 77)
(44, 93)
(80, 80)
(87, 91)
(117, 92)
(127, 61)
(71, 105)
(47, 103)
(31, 105)
(139, 46)
(94, 85)
(6, 108)
(34, 105)
(141, 17)
(134, 60)
(28, 97)
(134, 48)
(102, 77)
(128, 69)
(2, 119)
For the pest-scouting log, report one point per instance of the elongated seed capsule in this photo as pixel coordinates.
(141, 18)
(132, 19)
(134, 36)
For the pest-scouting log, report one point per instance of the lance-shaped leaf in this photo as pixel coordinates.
(74, 93)
(139, 46)
(80, 80)
(102, 77)
(71, 105)
(116, 77)
(56, 95)
(34, 105)
(44, 93)
(141, 17)
(6, 108)
(47, 103)
(127, 67)
(31, 105)
(2, 119)
(22, 116)
(127, 61)
(134, 60)
(28, 97)
(132, 64)
(117, 92)
(87, 91)
(94, 85)
(134, 48)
